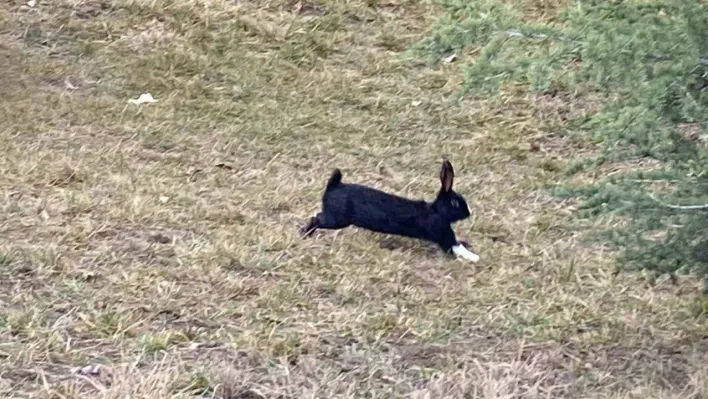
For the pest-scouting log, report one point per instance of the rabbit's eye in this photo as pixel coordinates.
(455, 203)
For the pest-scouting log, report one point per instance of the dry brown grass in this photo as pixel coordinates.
(160, 240)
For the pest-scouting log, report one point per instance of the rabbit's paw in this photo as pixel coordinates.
(464, 253)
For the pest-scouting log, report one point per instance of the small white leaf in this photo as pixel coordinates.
(145, 98)
(91, 369)
(44, 215)
(69, 85)
(450, 58)
(164, 199)
(206, 345)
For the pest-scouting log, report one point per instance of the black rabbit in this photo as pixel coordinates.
(345, 204)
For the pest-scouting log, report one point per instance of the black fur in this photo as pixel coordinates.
(346, 205)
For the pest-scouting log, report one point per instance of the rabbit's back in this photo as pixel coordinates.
(372, 209)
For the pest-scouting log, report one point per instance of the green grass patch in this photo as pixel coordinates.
(645, 67)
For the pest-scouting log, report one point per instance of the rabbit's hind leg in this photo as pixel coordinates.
(308, 228)
(321, 221)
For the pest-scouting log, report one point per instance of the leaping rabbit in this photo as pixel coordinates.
(347, 204)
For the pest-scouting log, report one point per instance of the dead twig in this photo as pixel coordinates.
(679, 207)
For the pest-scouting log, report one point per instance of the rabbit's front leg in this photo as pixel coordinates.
(448, 242)
(460, 250)
(465, 244)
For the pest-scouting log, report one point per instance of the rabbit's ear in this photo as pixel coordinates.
(447, 175)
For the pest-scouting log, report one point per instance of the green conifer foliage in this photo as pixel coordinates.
(649, 62)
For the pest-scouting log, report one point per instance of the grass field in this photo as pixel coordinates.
(160, 241)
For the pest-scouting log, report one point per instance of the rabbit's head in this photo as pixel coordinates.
(450, 205)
